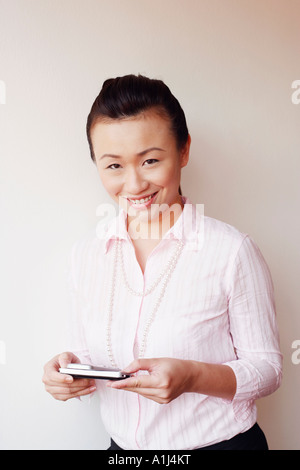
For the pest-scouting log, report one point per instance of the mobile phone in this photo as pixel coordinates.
(93, 372)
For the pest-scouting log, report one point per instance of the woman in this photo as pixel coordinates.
(182, 302)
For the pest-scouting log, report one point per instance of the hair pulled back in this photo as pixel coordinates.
(130, 95)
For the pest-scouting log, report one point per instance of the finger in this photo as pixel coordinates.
(57, 379)
(66, 358)
(136, 382)
(53, 376)
(63, 394)
(79, 384)
(139, 364)
(51, 369)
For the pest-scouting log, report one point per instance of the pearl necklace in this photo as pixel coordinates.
(164, 277)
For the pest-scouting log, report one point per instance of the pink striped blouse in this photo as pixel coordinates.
(218, 307)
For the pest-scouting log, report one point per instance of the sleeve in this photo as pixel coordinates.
(75, 332)
(253, 328)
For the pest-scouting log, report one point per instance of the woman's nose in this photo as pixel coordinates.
(134, 182)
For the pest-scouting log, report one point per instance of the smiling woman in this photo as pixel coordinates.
(139, 140)
(138, 175)
(188, 313)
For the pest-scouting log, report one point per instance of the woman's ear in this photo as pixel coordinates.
(185, 152)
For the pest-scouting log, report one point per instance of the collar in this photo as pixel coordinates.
(189, 227)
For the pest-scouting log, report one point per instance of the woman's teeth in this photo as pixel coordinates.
(141, 201)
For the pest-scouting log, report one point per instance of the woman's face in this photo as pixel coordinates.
(138, 161)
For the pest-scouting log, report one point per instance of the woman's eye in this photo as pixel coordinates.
(150, 161)
(114, 166)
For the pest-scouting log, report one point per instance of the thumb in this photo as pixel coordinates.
(66, 358)
(139, 364)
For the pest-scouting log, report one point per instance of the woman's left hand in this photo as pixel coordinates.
(167, 379)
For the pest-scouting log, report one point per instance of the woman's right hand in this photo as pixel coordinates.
(63, 387)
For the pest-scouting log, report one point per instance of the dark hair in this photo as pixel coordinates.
(129, 96)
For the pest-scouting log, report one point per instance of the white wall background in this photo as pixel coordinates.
(231, 64)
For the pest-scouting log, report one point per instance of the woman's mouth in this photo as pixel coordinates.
(142, 202)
